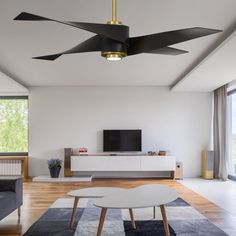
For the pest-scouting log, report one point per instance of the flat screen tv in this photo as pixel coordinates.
(122, 140)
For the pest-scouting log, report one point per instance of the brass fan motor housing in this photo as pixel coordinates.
(113, 49)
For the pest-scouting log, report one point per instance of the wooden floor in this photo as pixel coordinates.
(39, 196)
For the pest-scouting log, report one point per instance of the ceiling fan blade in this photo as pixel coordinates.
(152, 42)
(25, 16)
(51, 57)
(90, 45)
(168, 51)
(116, 32)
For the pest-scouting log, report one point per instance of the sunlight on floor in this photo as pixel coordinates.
(219, 192)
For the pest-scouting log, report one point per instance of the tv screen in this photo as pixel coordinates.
(122, 140)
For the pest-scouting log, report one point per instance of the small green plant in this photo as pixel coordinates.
(52, 163)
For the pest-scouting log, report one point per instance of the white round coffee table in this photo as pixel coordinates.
(150, 195)
(96, 192)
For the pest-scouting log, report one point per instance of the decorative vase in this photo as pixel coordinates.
(55, 171)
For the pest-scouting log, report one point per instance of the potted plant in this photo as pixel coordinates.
(54, 166)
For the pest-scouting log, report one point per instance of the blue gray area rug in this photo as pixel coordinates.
(182, 218)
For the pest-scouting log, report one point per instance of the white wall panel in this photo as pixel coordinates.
(62, 117)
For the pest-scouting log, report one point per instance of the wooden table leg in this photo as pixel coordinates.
(101, 221)
(74, 212)
(154, 212)
(132, 218)
(165, 222)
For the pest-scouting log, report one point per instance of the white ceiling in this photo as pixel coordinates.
(22, 40)
(10, 86)
(215, 71)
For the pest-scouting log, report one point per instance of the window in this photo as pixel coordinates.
(14, 125)
(232, 133)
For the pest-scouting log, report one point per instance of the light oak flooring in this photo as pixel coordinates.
(39, 196)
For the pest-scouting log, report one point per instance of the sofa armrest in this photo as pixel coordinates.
(12, 184)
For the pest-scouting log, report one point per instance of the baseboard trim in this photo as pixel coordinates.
(48, 179)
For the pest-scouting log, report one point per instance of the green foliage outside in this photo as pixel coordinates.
(13, 125)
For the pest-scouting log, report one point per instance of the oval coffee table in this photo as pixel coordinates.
(150, 195)
(96, 192)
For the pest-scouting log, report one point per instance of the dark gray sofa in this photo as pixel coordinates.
(11, 195)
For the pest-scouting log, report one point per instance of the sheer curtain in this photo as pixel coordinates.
(220, 133)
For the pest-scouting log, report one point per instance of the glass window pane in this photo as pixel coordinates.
(13, 125)
(232, 104)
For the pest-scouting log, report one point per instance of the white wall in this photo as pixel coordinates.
(75, 116)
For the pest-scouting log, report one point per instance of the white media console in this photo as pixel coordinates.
(123, 163)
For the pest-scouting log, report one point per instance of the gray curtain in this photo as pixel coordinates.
(220, 133)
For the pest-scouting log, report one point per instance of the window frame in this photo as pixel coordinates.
(14, 97)
(229, 93)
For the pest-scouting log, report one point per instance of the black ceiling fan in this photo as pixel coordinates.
(113, 41)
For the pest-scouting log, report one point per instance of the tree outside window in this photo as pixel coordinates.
(13, 125)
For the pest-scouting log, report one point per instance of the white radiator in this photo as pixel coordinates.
(10, 167)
